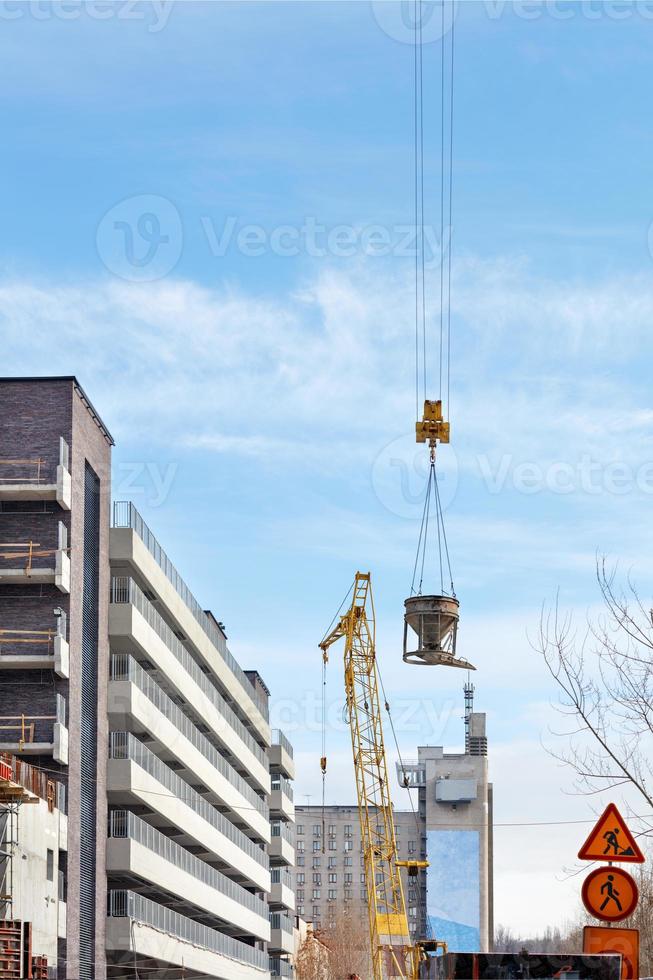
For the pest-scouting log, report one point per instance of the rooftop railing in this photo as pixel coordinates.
(125, 590)
(125, 904)
(278, 738)
(126, 515)
(124, 745)
(124, 824)
(124, 667)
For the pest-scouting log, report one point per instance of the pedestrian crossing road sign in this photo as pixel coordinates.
(611, 840)
(610, 894)
(624, 942)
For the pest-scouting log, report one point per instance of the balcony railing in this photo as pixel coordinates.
(281, 829)
(124, 745)
(34, 780)
(124, 824)
(278, 738)
(279, 920)
(280, 968)
(126, 515)
(281, 876)
(123, 667)
(284, 784)
(125, 590)
(129, 905)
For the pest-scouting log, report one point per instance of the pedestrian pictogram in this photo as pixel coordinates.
(624, 942)
(611, 840)
(610, 894)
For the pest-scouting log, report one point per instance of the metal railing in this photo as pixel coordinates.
(125, 904)
(123, 667)
(125, 590)
(281, 968)
(281, 876)
(284, 784)
(279, 920)
(123, 823)
(281, 829)
(17, 771)
(278, 738)
(126, 515)
(124, 745)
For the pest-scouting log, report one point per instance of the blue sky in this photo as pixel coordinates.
(262, 403)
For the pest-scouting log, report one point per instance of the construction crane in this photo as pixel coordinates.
(393, 953)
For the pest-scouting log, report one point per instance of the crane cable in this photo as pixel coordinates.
(446, 207)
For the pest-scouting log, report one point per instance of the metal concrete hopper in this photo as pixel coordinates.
(434, 618)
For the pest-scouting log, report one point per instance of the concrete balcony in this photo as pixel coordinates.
(282, 849)
(133, 546)
(30, 735)
(281, 799)
(282, 895)
(136, 777)
(34, 650)
(167, 940)
(136, 626)
(27, 563)
(135, 848)
(37, 479)
(138, 704)
(281, 968)
(281, 755)
(283, 937)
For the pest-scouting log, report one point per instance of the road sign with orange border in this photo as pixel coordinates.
(610, 894)
(611, 840)
(625, 942)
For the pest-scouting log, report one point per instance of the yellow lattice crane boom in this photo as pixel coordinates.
(393, 954)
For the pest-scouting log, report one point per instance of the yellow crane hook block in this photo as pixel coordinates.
(432, 428)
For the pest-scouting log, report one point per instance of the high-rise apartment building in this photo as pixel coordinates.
(119, 684)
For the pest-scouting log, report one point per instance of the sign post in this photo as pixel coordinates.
(609, 893)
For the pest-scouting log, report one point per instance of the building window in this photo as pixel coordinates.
(316, 911)
(317, 830)
(348, 845)
(317, 862)
(348, 894)
(301, 878)
(333, 878)
(397, 829)
(300, 894)
(300, 910)
(300, 829)
(332, 830)
(332, 862)
(363, 879)
(317, 846)
(412, 912)
(348, 862)
(316, 893)
(412, 846)
(333, 845)
(348, 830)
(332, 894)
(348, 878)
(301, 845)
(301, 861)
(317, 879)
(50, 865)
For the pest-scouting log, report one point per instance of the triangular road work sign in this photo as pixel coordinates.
(611, 840)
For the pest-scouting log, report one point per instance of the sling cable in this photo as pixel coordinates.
(433, 617)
